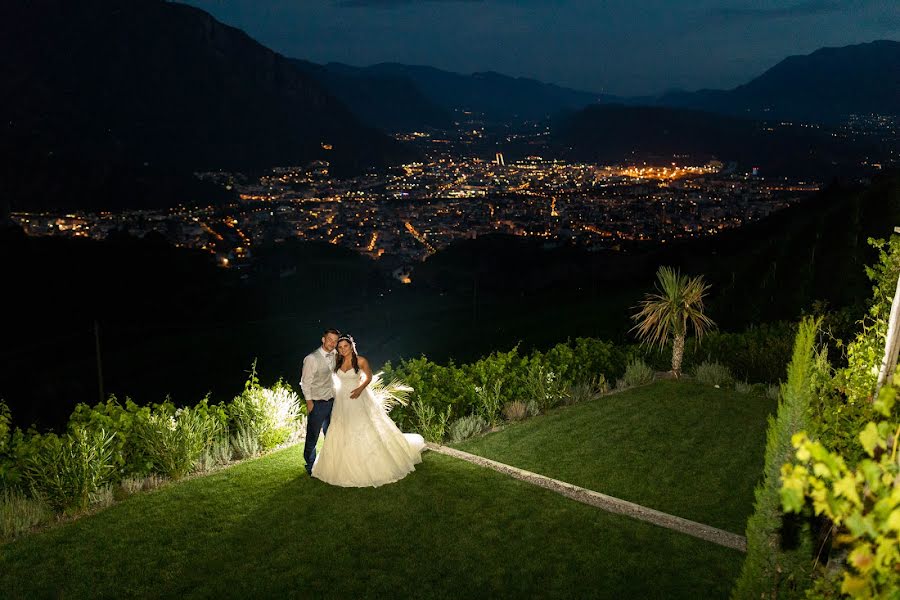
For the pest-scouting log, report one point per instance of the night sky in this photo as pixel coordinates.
(615, 47)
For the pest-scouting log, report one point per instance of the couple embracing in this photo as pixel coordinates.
(363, 447)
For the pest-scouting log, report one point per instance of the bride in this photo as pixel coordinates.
(363, 446)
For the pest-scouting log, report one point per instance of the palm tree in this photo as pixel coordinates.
(677, 303)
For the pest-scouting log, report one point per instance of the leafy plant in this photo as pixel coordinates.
(175, 439)
(489, 401)
(544, 387)
(245, 442)
(742, 387)
(636, 373)
(584, 391)
(63, 471)
(466, 427)
(19, 513)
(713, 373)
(863, 502)
(667, 313)
(391, 394)
(431, 424)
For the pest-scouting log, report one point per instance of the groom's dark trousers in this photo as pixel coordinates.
(317, 420)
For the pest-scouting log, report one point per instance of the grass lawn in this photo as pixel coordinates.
(449, 530)
(677, 446)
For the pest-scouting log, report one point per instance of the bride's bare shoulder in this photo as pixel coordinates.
(363, 361)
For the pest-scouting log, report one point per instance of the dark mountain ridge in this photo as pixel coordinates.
(489, 94)
(129, 82)
(616, 133)
(826, 86)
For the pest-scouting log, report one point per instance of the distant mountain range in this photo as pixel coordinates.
(116, 84)
(825, 86)
(616, 133)
(114, 103)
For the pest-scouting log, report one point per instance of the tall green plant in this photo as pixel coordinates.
(676, 305)
(64, 471)
(780, 548)
(863, 502)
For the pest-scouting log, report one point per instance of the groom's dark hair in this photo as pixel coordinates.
(334, 331)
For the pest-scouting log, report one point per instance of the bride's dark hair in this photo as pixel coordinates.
(355, 357)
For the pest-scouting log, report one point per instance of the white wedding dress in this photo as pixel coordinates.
(363, 446)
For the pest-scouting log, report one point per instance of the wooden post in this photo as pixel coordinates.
(891, 342)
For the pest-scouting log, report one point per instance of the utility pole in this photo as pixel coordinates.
(99, 361)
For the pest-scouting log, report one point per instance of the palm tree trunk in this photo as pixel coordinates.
(677, 354)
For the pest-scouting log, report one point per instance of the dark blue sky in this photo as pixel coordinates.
(612, 46)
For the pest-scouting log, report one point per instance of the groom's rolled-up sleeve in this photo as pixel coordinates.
(305, 375)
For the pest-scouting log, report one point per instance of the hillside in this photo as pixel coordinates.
(615, 133)
(448, 530)
(492, 95)
(95, 89)
(824, 86)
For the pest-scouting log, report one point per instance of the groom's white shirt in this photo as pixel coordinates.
(316, 377)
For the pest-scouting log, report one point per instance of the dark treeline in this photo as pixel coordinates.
(171, 322)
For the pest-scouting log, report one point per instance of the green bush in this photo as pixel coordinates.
(63, 471)
(245, 442)
(713, 373)
(466, 427)
(9, 473)
(490, 398)
(637, 372)
(430, 423)
(19, 513)
(544, 387)
(175, 439)
(585, 390)
(125, 422)
(274, 414)
(758, 354)
(780, 548)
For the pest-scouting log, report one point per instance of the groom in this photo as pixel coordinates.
(318, 389)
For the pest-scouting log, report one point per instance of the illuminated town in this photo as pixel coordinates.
(413, 211)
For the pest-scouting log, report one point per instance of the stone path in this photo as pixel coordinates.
(607, 503)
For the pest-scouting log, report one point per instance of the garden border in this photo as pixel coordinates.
(602, 501)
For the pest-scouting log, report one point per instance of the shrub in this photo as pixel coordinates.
(19, 514)
(217, 454)
(779, 548)
(466, 427)
(637, 373)
(742, 387)
(713, 373)
(584, 391)
(103, 497)
(515, 410)
(544, 387)
(441, 387)
(245, 443)
(430, 423)
(174, 440)
(862, 503)
(63, 471)
(131, 485)
(123, 421)
(773, 392)
(489, 401)
(532, 409)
